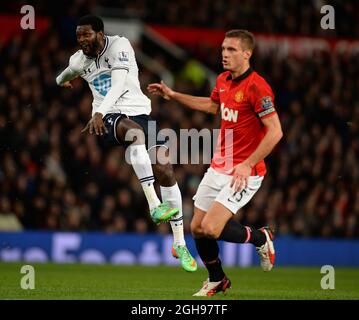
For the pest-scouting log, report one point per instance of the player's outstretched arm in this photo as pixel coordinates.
(65, 77)
(204, 104)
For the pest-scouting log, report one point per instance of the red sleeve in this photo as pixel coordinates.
(215, 94)
(262, 98)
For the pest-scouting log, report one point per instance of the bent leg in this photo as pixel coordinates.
(131, 134)
(163, 169)
(170, 193)
(218, 224)
(215, 220)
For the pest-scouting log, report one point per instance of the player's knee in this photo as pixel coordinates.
(136, 136)
(209, 230)
(196, 230)
(130, 132)
(164, 174)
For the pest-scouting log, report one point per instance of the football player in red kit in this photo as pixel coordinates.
(250, 128)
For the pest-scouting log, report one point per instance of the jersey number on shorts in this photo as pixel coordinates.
(237, 196)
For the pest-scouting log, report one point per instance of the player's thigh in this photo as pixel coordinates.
(208, 189)
(129, 132)
(226, 204)
(215, 219)
(234, 201)
(153, 136)
(196, 222)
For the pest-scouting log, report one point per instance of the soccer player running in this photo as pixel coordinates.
(246, 103)
(119, 107)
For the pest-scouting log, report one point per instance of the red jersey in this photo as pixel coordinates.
(243, 101)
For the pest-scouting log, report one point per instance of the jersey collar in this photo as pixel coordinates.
(242, 76)
(104, 47)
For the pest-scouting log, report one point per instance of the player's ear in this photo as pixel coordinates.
(248, 54)
(100, 35)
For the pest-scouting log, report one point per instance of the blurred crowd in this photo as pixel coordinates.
(53, 177)
(275, 16)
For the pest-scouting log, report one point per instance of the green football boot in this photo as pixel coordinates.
(187, 261)
(163, 213)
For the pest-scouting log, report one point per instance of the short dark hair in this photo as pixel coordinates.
(248, 40)
(94, 21)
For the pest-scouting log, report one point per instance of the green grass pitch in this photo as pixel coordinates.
(79, 281)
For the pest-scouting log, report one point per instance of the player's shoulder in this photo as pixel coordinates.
(258, 86)
(117, 40)
(77, 56)
(258, 79)
(77, 61)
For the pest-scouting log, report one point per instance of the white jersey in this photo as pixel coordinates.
(116, 54)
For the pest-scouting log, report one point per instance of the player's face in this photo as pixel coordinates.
(88, 40)
(234, 57)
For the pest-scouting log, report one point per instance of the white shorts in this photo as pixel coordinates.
(215, 186)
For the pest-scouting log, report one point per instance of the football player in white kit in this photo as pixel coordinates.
(108, 64)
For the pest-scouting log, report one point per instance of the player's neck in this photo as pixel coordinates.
(240, 71)
(100, 47)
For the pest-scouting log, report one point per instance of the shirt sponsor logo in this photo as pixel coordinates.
(229, 114)
(102, 84)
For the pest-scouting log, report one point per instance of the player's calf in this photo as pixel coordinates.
(164, 174)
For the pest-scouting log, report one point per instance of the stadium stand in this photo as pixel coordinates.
(53, 177)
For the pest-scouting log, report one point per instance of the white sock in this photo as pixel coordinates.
(173, 196)
(141, 163)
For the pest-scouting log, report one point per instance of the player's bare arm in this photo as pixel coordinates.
(204, 104)
(242, 171)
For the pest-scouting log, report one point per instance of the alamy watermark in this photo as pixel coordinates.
(328, 280)
(328, 20)
(28, 280)
(28, 20)
(195, 146)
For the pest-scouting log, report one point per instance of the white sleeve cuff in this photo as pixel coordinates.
(67, 75)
